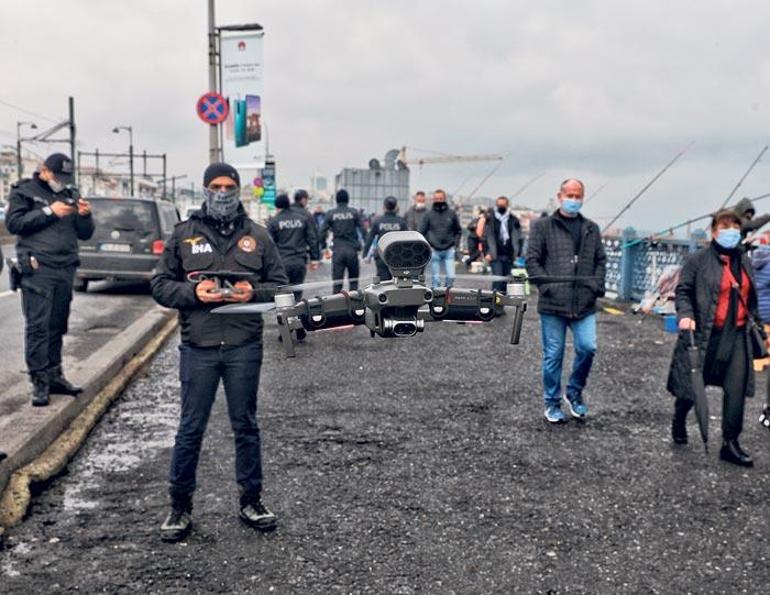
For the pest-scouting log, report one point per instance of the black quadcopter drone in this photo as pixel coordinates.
(399, 307)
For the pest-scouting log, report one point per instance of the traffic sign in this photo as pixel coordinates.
(212, 108)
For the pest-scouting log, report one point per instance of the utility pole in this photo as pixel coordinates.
(72, 133)
(19, 164)
(213, 128)
(130, 130)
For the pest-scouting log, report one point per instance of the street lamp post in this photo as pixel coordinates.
(116, 130)
(19, 164)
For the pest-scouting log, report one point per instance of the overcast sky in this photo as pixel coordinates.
(606, 91)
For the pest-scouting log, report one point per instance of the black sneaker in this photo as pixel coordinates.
(764, 418)
(256, 515)
(178, 523)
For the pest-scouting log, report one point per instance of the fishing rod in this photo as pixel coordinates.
(746, 175)
(647, 186)
(489, 175)
(670, 230)
(525, 186)
(594, 193)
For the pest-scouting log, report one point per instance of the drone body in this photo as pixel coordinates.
(399, 307)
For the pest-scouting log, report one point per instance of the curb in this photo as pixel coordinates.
(68, 431)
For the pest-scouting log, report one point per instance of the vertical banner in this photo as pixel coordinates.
(241, 72)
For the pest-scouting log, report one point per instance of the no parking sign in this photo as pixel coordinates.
(212, 108)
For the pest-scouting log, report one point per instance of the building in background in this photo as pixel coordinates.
(369, 187)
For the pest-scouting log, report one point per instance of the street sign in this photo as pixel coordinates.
(212, 108)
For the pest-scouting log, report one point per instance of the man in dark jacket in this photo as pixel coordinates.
(301, 199)
(503, 241)
(295, 236)
(749, 221)
(567, 244)
(49, 217)
(416, 212)
(214, 347)
(388, 221)
(441, 228)
(345, 225)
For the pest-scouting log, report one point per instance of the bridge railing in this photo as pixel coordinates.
(634, 264)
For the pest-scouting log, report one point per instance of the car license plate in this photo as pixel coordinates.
(115, 248)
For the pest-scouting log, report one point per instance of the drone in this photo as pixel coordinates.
(396, 308)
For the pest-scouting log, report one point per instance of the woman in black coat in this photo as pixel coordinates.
(709, 303)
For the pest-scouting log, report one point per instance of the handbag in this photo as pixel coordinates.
(756, 333)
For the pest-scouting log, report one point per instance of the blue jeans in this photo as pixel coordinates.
(448, 258)
(200, 370)
(554, 332)
(501, 267)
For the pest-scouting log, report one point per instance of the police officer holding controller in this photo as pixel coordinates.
(227, 347)
(49, 217)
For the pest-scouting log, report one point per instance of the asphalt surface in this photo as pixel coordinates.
(416, 465)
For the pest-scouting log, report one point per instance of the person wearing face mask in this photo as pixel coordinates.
(567, 244)
(716, 299)
(503, 241)
(49, 217)
(214, 347)
(750, 223)
(441, 228)
(416, 212)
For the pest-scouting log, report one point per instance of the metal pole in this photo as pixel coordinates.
(164, 176)
(72, 132)
(173, 190)
(144, 163)
(131, 158)
(18, 150)
(213, 128)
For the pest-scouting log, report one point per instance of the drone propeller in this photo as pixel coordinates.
(245, 308)
(533, 278)
(319, 284)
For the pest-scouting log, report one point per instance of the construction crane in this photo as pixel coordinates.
(444, 158)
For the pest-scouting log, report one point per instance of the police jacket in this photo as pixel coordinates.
(345, 223)
(53, 241)
(298, 208)
(441, 228)
(196, 245)
(382, 225)
(294, 234)
(552, 251)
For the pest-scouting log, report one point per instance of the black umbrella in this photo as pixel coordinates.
(699, 391)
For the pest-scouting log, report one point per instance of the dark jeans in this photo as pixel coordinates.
(733, 388)
(45, 300)
(501, 266)
(344, 258)
(200, 370)
(295, 271)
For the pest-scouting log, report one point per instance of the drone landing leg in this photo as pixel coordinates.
(286, 337)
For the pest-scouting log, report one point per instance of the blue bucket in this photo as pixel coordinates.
(670, 325)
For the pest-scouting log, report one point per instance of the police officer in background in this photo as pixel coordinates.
(214, 347)
(388, 221)
(295, 237)
(49, 217)
(301, 199)
(345, 225)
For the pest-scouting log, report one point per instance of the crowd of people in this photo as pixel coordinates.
(722, 296)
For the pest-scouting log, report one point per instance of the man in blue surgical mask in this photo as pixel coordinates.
(566, 244)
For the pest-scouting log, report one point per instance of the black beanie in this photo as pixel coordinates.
(300, 194)
(390, 203)
(343, 196)
(282, 201)
(216, 170)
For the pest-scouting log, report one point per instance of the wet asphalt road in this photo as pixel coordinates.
(419, 465)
